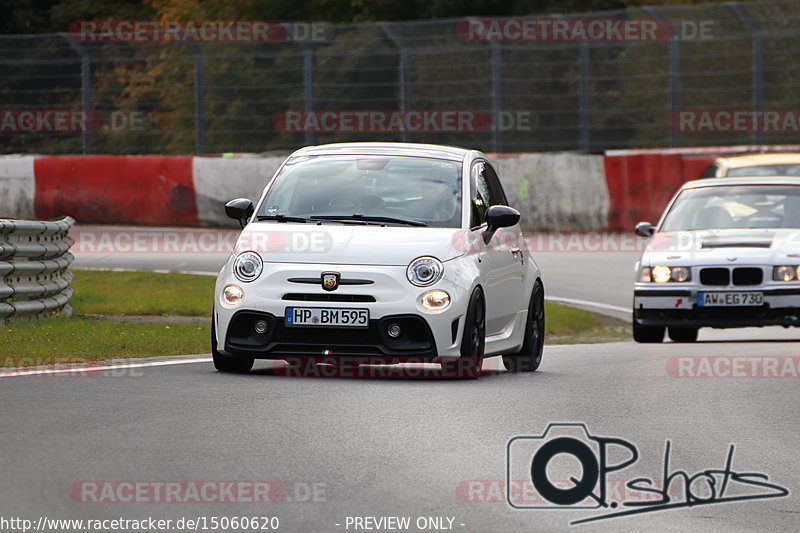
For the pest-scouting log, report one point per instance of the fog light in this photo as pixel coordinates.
(261, 327)
(436, 300)
(232, 295)
(394, 330)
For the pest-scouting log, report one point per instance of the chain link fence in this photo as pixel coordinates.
(481, 83)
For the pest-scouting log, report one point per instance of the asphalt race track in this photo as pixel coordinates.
(342, 447)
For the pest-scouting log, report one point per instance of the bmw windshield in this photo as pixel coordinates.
(418, 190)
(725, 207)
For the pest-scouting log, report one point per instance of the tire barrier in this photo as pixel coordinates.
(34, 257)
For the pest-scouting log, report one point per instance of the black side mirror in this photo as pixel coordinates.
(499, 216)
(240, 209)
(645, 229)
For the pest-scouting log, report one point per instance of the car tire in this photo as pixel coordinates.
(473, 341)
(226, 363)
(648, 334)
(683, 334)
(529, 357)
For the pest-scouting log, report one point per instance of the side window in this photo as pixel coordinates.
(481, 196)
(498, 196)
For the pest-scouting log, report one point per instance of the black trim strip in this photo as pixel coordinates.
(328, 297)
(780, 292)
(717, 288)
(661, 293)
(342, 281)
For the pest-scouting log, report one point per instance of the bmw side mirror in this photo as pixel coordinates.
(499, 216)
(645, 229)
(240, 209)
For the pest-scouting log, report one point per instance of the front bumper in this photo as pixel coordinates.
(678, 308)
(415, 343)
(388, 297)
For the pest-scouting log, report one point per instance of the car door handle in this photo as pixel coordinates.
(515, 251)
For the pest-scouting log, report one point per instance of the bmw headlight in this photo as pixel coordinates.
(664, 274)
(247, 266)
(424, 271)
(786, 273)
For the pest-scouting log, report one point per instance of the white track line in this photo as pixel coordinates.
(157, 270)
(587, 303)
(101, 368)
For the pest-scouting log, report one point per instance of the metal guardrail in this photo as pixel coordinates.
(34, 257)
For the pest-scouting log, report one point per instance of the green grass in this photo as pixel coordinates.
(141, 293)
(563, 320)
(76, 339)
(567, 325)
(87, 336)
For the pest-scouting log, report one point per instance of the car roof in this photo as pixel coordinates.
(743, 180)
(746, 160)
(398, 149)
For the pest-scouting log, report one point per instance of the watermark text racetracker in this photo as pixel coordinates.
(727, 366)
(735, 121)
(202, 492)
(197, 241)
(395, 121)
(64, 367)
(567, 451)
(201, 31)
(556, 29)
(65, 121)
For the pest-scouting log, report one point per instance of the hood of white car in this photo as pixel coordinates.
(726, 246)
(348, 244)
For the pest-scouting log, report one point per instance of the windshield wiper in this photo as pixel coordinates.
(280, 217)
(368, 218)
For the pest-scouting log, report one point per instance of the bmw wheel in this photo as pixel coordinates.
(683, 334)
(648, 334)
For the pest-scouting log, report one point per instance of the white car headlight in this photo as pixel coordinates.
(247, 266)
(435, 300)
(661, 274)
(424, 271)
(664, 274)
(232, 295)
(786, 273)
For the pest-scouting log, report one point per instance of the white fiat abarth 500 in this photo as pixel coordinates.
(380, 253)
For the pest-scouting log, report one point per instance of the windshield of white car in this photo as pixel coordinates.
(765, 170)
(412, 190)
(745, 206)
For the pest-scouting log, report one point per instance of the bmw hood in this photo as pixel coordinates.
(744, 246)
(349, 244)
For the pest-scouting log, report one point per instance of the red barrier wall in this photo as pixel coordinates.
(116, 189)
(641, 183)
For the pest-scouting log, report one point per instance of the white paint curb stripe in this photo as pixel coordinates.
(102, 368)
